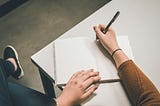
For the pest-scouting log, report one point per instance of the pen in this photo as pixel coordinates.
(99, 82)
(107, 81)
(110, 23)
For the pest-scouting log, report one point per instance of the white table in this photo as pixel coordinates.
(139, 19)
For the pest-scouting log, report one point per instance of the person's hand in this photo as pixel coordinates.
(78, 88)
(108, 40)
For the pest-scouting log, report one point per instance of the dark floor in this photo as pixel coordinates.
(36, 23)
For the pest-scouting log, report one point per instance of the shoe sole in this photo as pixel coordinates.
(16, 54)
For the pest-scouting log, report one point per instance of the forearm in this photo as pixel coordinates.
(63, 102)
(139, 88)
(120, 57)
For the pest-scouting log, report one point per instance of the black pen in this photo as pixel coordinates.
(110, 23)
(98, 82)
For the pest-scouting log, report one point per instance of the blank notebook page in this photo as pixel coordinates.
(72, 55)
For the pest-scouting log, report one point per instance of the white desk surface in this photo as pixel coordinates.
(139, 19)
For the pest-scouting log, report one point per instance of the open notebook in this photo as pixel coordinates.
(82, 53)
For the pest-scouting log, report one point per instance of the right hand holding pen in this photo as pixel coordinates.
(108, 40)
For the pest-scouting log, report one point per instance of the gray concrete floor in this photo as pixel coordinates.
(35, 24)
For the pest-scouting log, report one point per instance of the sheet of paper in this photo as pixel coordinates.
(74, 54)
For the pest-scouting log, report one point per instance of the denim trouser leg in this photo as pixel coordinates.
(6, 68)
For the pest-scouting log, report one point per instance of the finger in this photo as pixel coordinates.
(90, 81)
(89, 74)
(76, 74)
(102, 27)
(81, 74)
(94, 27)
(89, 92)
(99, 33)
(85, 72)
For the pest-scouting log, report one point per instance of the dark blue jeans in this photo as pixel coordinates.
(12, 94)
(6, 69)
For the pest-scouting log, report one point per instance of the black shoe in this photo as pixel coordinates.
(10, 52)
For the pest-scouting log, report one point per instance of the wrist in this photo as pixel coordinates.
(114, 52)
(111, 50)
(63, 102)
(120, 57)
